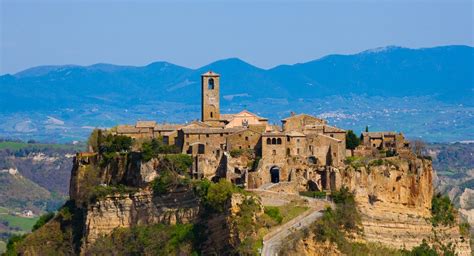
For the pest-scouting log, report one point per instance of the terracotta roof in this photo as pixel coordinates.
(210, 73)
(227, 117)
(329, 137)
(167, 127)
(302, 114)
(378, 134)
(211, 130)
(295, 134)
(169, 133)
(328, 128)
(127, 129)
(145, 124)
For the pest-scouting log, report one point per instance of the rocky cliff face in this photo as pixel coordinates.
(141, 208)
(394, 198)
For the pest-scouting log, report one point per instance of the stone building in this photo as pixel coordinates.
(304, 148)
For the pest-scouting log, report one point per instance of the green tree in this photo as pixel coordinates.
(93, 142)
(352, 141)
(43, 220)
(442, 210)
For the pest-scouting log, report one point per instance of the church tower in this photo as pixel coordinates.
(210, 97)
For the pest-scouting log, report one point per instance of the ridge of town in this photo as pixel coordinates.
(304, 146)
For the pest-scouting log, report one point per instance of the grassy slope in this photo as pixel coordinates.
(12, 145)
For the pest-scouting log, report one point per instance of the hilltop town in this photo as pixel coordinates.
(304, 148)
(235, 184)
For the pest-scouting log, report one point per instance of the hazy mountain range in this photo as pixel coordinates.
(415, 85)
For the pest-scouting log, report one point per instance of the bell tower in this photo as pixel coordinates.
(210, 97)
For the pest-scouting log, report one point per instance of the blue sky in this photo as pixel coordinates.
(195, 33)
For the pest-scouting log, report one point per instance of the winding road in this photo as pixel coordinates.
(273, 240)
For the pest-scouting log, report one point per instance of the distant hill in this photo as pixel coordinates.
(106, 94)
(446, 72)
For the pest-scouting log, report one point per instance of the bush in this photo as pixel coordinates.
(274, 213)
(442, 210)
(114, 143)
(101, 191)
(218, 194)
(464, 229)
(314, 194)
(43, 220)
(12, 245)
(153, 148)
(156, 239)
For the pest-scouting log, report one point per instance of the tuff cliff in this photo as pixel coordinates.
(394, 200)
(118, 193)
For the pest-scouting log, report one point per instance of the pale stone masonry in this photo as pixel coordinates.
(244, 148)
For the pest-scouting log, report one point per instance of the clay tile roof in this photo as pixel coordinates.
(145, 124)
(299, 115)
(210, 73)
(328, 128)
(295, 134)
(378, 134)
(167, 127)
(227, 117)
(329, 137)
(127, 129)
(210, 130)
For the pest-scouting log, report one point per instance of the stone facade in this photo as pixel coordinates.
(304, 148)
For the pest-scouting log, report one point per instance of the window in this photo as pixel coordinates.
(247, 138)
(279, 141)
(207, 135)
(269, 141)
(210, 84)
(274, 141)
(201, 149)
(287, 151)
(298, 151)
(332, 135)
(274, 152)
(288, 139)
(212, 115)
(298, 140)
(187, 135)
(222, 134)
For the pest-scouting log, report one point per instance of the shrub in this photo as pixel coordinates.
(274, 213)
(423, 249)
(12, 245)
(218, 194)
(43, 220)
(464, 229)
(314, 194)
(442, 210)
(377, 162)
(101, 191)
(154, 147)
(236, 152)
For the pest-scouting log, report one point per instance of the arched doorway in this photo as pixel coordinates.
(275, 174)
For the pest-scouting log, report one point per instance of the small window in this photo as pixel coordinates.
(240, 147)
(210, 84)
(298, 151)
(288, 139)
(247, 138)
(222, 134)
(332, 135)
(298, 140)
(279, 141)
(274, 152)
(201, 149)
(187, 135)
(269, 141)
(287, 151)
(207, 135)
(274, 141)
(212, 115)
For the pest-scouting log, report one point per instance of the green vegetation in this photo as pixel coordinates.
(102, 191)
(173, 173)
(443, 211)
(464, 229)
(376, 162)
(314, 194)
(239, 152)
(356, 161)
(253, 165)
(37, 147)
(274, 213)
(214, 196)
(59, 236)
(352, 141)
(155, 147)
(43, 220)
(18, 223)
(147, 240)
